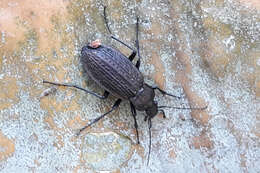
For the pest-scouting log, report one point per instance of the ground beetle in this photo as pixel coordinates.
(116, 74)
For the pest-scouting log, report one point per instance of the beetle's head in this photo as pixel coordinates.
(151, 111)
(144, 100)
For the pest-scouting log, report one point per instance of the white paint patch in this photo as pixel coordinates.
(230, 43)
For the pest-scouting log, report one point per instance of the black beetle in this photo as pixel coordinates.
(116, 74)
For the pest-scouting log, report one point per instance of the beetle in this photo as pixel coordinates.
(117, 75)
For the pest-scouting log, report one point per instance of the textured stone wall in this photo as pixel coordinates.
(206, 51)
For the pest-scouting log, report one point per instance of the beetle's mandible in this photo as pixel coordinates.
(117, 75)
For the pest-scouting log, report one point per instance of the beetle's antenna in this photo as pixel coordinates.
(105, 18)
(191, 108)
(150, 139)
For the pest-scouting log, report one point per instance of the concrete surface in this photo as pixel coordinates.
(208, 51)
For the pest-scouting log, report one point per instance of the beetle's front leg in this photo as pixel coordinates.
(164, 92)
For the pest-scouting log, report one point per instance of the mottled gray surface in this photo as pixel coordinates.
(174, 36)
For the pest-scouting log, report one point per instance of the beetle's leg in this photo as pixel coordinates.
(115, 106)
(164, 92)
(164, 116)
(105, 18)
(132, 56)
(104, 96)
(136, 125)
(137, 44)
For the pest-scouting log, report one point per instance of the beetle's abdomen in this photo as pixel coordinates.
(112, 71)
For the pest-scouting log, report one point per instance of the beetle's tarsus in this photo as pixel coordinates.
(106, 22)
(80, 88)
(164, 92)
(137, 44)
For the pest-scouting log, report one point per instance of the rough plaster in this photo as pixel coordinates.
(207, 51)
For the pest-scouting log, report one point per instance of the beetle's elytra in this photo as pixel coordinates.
(112, 70)
(117, 75)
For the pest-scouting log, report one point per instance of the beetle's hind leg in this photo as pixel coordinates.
(115, 106)
(106, 22)
(104, 96)
(137, 43)
(133, 54)
(134, 116)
